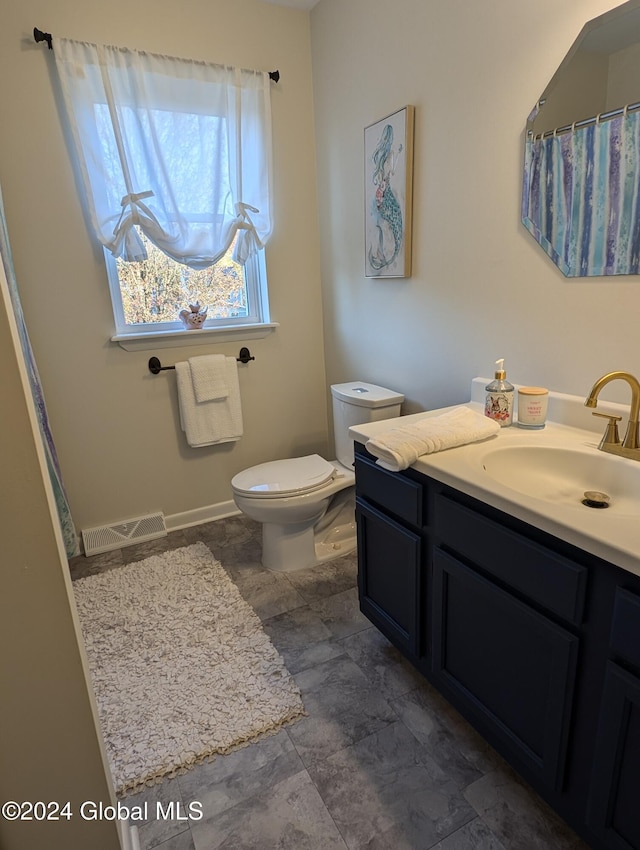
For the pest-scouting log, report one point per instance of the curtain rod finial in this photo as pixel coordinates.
(38, 36)
(275, 75)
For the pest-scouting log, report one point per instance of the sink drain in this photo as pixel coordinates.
(596, 499)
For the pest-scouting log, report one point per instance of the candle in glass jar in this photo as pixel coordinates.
(532, 406)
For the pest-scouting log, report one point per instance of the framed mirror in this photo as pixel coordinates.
(581, 192)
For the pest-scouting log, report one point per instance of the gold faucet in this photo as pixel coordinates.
(630, 446)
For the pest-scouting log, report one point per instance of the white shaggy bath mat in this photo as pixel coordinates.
(181, 667)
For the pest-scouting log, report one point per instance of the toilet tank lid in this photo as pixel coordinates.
(366, 395)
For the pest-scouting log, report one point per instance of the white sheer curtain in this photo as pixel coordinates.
(180, 148)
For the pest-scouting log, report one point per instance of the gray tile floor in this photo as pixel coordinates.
(381, 761)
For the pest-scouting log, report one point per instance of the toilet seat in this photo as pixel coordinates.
(279, 478)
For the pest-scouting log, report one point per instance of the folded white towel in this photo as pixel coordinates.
(400, 447)
(206, 423)
(208, 374)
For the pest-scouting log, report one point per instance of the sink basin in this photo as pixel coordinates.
(562, 475)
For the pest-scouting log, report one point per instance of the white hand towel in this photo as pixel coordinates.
(208, 374)
(206, 423)
(400, 447)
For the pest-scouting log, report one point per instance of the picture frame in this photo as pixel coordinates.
(388, 156)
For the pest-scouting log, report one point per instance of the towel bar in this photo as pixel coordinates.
(155, 366)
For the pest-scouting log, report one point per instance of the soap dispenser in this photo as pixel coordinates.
(499, 399)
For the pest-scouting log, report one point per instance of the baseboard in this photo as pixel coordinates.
(186, 519)
(197, 516)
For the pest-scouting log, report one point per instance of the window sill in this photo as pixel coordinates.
(182, 338)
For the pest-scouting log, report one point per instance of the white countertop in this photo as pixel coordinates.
(605, 533)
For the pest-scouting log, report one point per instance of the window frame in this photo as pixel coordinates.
(255, 273)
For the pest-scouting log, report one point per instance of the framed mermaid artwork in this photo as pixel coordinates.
(388, 181)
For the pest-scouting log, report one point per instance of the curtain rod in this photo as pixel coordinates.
(39, 36)
(595, 119)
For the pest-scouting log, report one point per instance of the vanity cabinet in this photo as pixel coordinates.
(534, 641)
(390, 516)
(615, 790)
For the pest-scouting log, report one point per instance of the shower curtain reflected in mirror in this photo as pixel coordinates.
(62, 504)
(580, 198)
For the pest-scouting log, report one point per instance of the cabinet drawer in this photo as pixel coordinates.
(625, 629)
(530, 568)
(389, 490)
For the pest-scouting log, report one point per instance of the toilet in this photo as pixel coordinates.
(306, 504)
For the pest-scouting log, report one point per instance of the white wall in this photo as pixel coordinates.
(116, 425)
(481, 287)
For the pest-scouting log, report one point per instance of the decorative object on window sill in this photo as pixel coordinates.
(193, 318)
(388, 151)
(155, 366)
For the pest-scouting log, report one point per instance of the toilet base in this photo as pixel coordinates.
(297, 546)
(339, 542)
(291, 551)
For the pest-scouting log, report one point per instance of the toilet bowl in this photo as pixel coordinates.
(290, 498)
(307, 504)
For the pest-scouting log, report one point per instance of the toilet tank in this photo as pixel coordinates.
(355, 403)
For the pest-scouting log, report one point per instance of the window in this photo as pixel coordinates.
(175, 159)
(148, 295)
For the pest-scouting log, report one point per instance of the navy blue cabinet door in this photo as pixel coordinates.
(508, 668)
(614, 805)
(389, 576)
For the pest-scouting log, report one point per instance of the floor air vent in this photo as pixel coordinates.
(102, 538)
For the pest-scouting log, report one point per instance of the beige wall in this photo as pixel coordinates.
(49, 747)
(115, 425)
(481, 287)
